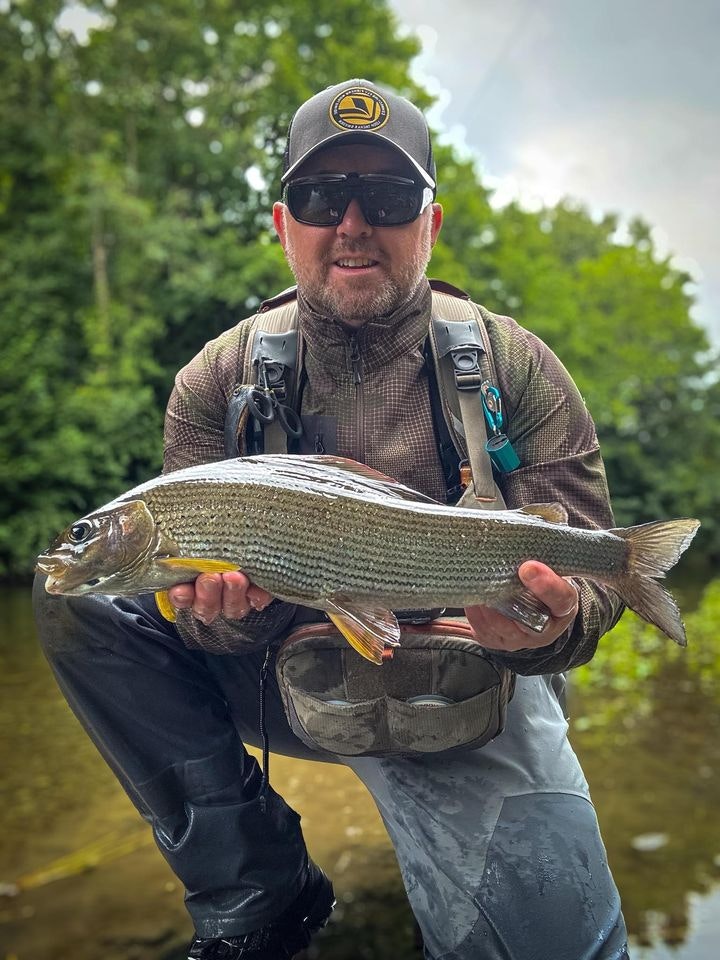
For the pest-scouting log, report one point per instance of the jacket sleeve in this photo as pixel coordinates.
(194, 433)
(555, 439)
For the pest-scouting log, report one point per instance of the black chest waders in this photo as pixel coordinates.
(439, 693)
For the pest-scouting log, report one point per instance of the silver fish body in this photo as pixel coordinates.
(331, 534)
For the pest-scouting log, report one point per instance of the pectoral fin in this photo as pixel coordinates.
(367, 629)
(164, 606)
(196, 565)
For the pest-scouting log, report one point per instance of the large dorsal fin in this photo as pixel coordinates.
(339, 473)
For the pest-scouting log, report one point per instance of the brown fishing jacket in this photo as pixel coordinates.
(366, 396)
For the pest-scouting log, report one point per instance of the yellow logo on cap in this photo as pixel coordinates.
(359, 109)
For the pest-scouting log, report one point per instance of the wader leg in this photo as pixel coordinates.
(159, 719)
(499, 848)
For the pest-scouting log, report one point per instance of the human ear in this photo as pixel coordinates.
(437, 219)
(279, 210)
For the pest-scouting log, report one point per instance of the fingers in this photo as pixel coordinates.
(211, 594)
(558, 594)
(497, 632)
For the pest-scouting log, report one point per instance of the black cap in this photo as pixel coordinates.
(358, 111)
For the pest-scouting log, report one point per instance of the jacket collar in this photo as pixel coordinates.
(379, 342)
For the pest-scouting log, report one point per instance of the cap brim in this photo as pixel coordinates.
(356, 136)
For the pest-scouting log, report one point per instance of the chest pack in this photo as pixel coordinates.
(439, 693)
(467, 405)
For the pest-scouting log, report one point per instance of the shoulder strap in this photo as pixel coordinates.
(273, 335)
(464, 366)
(273, 355)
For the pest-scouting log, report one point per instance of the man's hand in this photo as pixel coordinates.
(231, 594)
(497, 632)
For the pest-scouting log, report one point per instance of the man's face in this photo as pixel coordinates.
(355, 272)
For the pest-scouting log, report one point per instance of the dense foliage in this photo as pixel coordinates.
(138, 165)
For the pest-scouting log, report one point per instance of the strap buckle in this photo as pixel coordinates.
(466, 367)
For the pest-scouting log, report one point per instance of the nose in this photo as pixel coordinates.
(354, 224)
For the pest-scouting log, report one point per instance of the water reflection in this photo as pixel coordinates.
(647, 731)
(656, 783)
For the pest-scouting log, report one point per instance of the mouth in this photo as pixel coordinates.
(59, 579)
(355, 264)
(52, 571)
(55, 584)
(48, 565)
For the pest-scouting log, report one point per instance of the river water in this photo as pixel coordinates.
(93, 887)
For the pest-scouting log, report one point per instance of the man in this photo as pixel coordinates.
(499, 847)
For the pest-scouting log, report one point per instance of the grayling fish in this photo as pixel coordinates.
(335, 535)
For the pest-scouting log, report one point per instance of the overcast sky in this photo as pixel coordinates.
(615, 102)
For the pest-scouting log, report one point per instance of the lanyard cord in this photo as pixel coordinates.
(263, 729)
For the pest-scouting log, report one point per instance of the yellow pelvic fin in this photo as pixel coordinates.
(197, 565)
(166, 609)
(367, 645)
(367, 630)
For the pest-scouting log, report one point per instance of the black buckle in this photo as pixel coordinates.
(466, 363)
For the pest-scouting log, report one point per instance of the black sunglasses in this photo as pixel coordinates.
(322, 200)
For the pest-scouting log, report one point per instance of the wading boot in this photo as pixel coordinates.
(282, 938)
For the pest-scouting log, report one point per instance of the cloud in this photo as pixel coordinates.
(615, 104)
(637, 159)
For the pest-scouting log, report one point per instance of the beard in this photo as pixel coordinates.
(359, 306)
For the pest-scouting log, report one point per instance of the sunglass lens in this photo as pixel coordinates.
(388, 204)
(321, 204)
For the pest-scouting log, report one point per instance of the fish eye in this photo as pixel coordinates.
(79, 532)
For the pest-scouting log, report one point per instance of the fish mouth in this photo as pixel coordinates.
(59, 579)
(50, 566)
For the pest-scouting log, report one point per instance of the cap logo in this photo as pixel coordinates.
(359, 109)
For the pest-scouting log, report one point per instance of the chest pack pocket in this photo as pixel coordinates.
(439, 693)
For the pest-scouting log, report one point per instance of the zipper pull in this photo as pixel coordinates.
(355, 360)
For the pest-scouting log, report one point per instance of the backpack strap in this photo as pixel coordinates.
(469, 398)
(273, 357)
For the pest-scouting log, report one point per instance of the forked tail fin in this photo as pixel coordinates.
(654, 548)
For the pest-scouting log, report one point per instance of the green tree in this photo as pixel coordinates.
(138, 170)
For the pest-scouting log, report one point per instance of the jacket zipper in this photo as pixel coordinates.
(355, 367)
